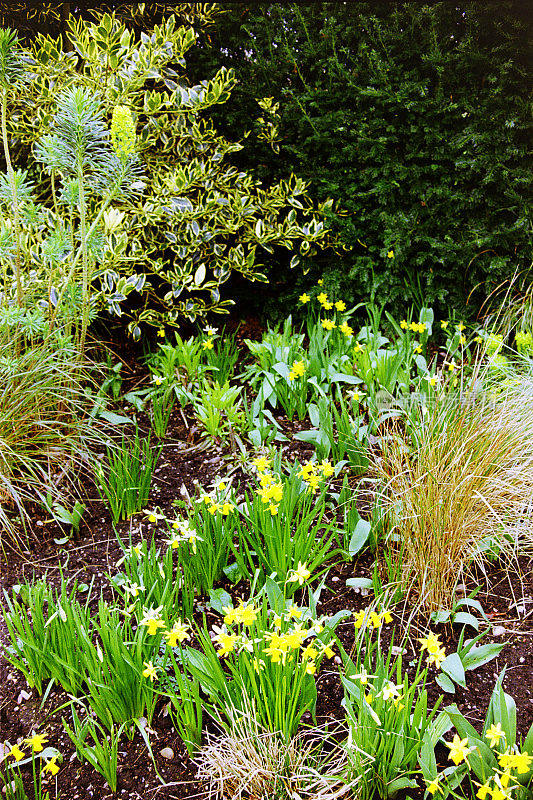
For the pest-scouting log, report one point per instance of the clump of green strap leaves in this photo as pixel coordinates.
(138, 192)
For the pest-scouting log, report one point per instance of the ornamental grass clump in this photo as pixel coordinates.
(249, 762)
(43, 430)
(460, 484)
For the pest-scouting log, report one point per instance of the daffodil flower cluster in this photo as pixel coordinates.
(215, 507)
(211, 335)
(502, 783)
(297, 370)
(370, 618)
(313, 473)
(371, 690)
(181, 530)
(416, 327)
(181, 533)
(328, 305)
(434, 648)
(173, 636)
(270, 486)
(36, 742)
(289, 637)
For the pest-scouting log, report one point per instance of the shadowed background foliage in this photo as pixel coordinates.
(414, 117)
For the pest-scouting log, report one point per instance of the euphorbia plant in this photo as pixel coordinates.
(94, 166)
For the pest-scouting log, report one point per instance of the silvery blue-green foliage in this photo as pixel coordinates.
(23, 186)
(80, 144)
(11, 60)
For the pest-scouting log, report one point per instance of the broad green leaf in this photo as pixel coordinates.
(478, 656)
(445, 683)
(219, 599)
(453, 667)
(359, 536)
(464, 618)
(359, 583)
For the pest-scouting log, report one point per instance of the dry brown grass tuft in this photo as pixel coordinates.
(258, 765)
(460, 479)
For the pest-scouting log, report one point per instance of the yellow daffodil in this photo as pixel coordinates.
(390, 691)
(295, 637)
(327, 468)
(320, 282)
(362, 677)
(432, 644)
(207, 344)
(152, 620)
(494, 734)
(460, 327)
(436, 658)
(499, 794)
(37, 741)
(309, 653)
(227, 642)
(328, 324)
(16, 753)
(459, 749)
(51, 766)
(504, 778)
(340, 305)
(271, 492)
(322, 298)
(226, 508)
(328, 650)
(297, 370)
(404, 324)
(417, 347)
(261, 464)
(295, 612)
(375, 619)
(300, 574)
(310, 668)
(520, 762)
(245, 614)
(178, 633)
(390, 254)
(161, 333)
(484, 790)
(149, 671)
(358, 348)
(346, 329)
(273, 508)
(444, 324)
(359, 618)
(434, 786)
(304, 298)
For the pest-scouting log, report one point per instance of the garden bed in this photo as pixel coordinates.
(87, 561)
